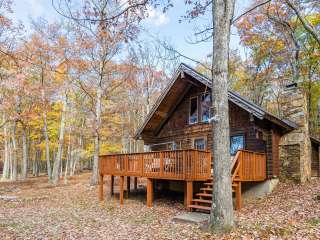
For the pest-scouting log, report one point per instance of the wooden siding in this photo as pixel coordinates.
(177, 129)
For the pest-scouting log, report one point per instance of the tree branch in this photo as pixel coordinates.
(118, 15)
(307, 26)
(249, 10)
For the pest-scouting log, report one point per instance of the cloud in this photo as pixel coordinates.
(157, 17)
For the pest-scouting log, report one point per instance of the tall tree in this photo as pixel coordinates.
(222, 209)
(220, 13)
(104, 26)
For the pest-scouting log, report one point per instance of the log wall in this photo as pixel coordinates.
(176, 128)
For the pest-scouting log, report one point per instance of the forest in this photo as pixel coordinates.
(79, 80)
(74, 89)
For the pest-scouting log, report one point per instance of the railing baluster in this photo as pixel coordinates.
(161, 165)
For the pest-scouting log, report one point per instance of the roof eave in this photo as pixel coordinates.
(157, 103)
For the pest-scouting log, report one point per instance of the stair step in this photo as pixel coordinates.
(206, 189)
(208, 183)
(200, 207)
(202, 201)
(234, 184)
(203, 195)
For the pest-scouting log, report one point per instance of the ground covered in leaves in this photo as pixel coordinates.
(38, 210)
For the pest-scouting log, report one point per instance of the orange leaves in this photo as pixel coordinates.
(61, 71)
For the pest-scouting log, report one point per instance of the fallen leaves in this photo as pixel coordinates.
(73, 211)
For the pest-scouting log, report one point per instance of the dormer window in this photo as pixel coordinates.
(193, 111)
(206, 102)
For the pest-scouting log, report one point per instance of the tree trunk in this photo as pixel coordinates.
(10, 158)
(221, 216)
(14, 153)
(46, 137)
(57, 162)
(37, 163)
(68, 161)
(25, 154)
(34, 162)
(94, 178)
(81, 143)
(6, 165)
(66, 166)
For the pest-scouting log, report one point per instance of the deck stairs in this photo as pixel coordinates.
(202, 201)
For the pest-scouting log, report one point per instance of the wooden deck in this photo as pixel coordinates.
(188, 165)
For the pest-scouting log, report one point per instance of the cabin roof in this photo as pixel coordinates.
(174, 92)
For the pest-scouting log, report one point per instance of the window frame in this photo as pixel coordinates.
(201, 110)
(200, 138)
(197, 101)
(244, 142)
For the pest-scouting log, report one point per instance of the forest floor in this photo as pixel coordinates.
(72, 211)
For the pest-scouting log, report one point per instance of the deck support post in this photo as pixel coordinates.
(128, 186)
(111, 185)
(188, 194)
(121, 189)
(135, 183)
(238, 197)
(101, 187)
(149, 192)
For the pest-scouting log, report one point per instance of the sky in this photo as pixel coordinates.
(163, 25)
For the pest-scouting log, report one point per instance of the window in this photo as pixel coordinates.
(236, 143)
(193, 113)
(205, 107)
(199, 143)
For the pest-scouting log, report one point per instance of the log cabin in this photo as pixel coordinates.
(177, 134)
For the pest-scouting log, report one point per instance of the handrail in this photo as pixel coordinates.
(235, 159)
(235, 164)
(136, 153)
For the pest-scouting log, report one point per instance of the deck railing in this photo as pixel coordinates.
(190, 164)
(252, 165)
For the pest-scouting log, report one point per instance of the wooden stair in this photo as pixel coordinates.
(203, 200)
